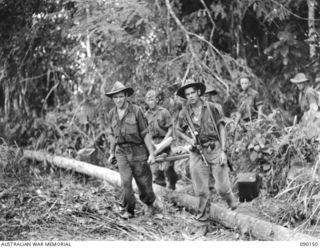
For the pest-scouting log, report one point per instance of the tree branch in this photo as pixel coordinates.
(194, 55)
(211, 19)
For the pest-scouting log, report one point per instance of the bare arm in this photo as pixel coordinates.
(112, 142)
(148, 143)
(222, 131)
(185, 137)
(169, 133)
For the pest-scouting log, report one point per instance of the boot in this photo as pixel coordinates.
(149, 210)
(126, 214)
(203, 209)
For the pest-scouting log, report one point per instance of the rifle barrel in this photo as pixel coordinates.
(171, 158)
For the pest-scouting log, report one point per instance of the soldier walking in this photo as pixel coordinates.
(130, 144)
(160, 128)
(208, 160)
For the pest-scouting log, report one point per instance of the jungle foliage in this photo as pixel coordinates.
(58, 57)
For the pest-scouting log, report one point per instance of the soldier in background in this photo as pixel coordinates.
(130, 144)
(249, 102)
(212, 95)
(160, 128)
(215, 96)
(308, 99)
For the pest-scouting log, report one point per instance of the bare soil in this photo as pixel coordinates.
(59, 205)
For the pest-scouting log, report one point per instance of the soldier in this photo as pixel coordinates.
(308, 97)
(214, 96)
(208, 160)
(211, 95)
(130, 143)
(249, 103)
(160, 128)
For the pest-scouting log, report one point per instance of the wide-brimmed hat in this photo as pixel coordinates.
(299, 78)
(210, 90)
(244, 75)
(190, 83)
(119, 87)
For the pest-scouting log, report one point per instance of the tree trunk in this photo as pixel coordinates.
(259, 229)
(6, 100)
(88, 46)
(312, 30)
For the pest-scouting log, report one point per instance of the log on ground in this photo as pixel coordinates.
(259, 229)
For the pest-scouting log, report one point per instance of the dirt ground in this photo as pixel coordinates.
(41, 202)
(60, 205)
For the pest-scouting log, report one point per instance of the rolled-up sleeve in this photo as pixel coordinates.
(166, 116)
(217, 113)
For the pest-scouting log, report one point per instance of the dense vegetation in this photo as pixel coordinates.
(58, 57)
(56, 52)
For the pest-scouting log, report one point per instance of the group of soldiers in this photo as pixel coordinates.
(137, 137)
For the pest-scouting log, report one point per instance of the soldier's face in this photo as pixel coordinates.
(192, 95)
(151, 100)
(120, 100)
(207, 97)
(244, 83)
(300, 86)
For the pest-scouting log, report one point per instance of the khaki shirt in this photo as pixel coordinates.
(204, 126)
(132, 128)
(248, 103)
(159, 121)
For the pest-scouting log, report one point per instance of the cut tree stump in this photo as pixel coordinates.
(259, 229)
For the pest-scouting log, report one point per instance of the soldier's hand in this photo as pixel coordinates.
(223, 158)
(151, 159)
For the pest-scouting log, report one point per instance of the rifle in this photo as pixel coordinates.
(195, 137)
(163, 158)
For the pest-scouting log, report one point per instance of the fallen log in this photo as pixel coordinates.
(260, 229)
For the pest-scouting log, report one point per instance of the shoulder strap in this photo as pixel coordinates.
(213, 121)
(190, 121)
